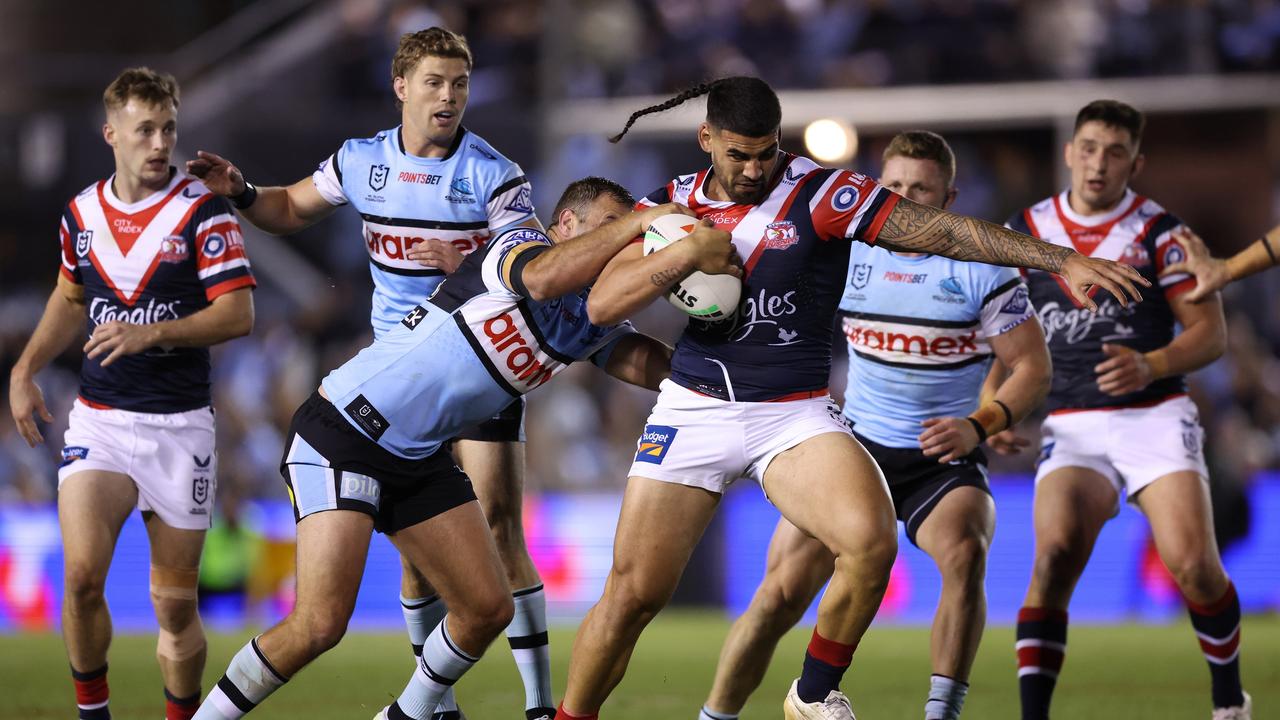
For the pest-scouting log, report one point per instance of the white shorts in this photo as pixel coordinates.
(1131, 447)
(695, 440)
(169, 456)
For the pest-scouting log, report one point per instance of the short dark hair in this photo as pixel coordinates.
(582, 193)
(143, 83)
(924, 145)
(1113, 113)
(740, 104)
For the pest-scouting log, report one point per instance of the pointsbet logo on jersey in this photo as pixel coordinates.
(654, 443)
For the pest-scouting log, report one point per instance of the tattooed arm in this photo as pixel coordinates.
(912, 227)
(632, 279)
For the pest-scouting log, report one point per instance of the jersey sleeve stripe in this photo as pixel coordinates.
(69, 275)
(1006, 287)
(226, 286)
(513, 262)
(514, 182)
(224, 266)
(337, 165)
(904, 320)
(822, 191)
(873, 218)
(1172, 291)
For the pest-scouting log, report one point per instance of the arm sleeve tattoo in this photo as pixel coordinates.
(912, 227)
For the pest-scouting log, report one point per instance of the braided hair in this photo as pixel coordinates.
(744, 105)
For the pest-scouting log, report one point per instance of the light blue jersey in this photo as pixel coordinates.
(462, 355)
(463, 198)
(918, 330)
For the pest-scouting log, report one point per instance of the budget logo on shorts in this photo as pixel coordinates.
(654, 443)
(72, 453)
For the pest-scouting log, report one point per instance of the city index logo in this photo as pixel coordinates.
(394, 247)
(654, 443)
(918, 345)
(515, 353)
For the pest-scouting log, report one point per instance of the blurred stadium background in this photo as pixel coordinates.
(277, 85)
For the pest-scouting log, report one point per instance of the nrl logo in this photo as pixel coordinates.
(860, 275)
(83, 239)
(378, 176)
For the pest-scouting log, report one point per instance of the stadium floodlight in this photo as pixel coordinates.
(831, 141)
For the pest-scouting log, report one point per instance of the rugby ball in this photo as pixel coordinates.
(703, 296)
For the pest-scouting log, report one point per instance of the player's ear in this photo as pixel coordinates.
(109, 134)
(400, 85)
(704, 137)
(1138, 164)
(568, 222)
(1066, 152)
(950, 198)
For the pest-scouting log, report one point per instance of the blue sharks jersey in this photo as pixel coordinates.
(918, 331)
(463, 198)
(462, 355)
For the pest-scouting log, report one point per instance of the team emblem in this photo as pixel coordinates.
(780, 235)
(378, 176)
(1174, 254)
(83, 238)
(460, 191)
(173, 249)
(214, 246)
(1136, 255)
(860, 275)
(951, 286)
(845, 198)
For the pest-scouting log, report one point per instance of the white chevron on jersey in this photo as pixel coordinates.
(128, 272)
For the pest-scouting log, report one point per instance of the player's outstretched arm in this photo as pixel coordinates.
(632, 279)
(1213, 274)
(277, 210)
(1203, 339)
(640, 360)
(1026, 372)
(230, 315)
(63, 320)
(913, 227)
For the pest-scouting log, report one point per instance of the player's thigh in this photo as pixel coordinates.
(173, 547)
(659, 525)
(961, 524)
(92, 507)
(332, 548)
(496, 469)
(830, 487)
(796, 568)
(456, 553)
(1071, 505)
(1181, 516)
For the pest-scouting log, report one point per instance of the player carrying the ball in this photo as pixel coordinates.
(748, 396)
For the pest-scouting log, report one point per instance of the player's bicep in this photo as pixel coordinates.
(1207, 311)
(1022, 344)
(71, 291)
(307, 203)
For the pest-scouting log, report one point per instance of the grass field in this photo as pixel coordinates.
(1125, 672)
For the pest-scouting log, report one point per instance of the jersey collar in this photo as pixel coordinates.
(109, 194)
(453, 149)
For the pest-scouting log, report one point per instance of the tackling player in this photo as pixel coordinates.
(1120, 423)
(747, 396)
(367, 450)
(157, 263)
(428, 192)
(921, 331)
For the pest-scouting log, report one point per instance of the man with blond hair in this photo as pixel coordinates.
(429, 192)
(158, 264)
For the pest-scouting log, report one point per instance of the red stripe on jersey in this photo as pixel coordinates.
(117, 220)
(227, 286)
(1144, 404)
(231, 252)
(1031, 222)
(873, 232)
(1176, 289)
(782, 214)
(698, 180)
(64, 238)
(67, 274)
(92, 404)
(1086, 238)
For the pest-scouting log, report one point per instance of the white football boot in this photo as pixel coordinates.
(1239, 712)
(834, 707)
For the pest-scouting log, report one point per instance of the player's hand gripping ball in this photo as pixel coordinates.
(703, 296)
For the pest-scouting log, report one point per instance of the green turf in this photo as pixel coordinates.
(1125, 672)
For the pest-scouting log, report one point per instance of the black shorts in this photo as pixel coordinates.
(329, 465)
(506, 426)
(917, 482)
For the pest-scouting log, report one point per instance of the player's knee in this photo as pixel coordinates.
(1200, 578)
(84, 585)
(776, 608)
(964, 563)
(177, 643)
(487, 614)
(322, 629)
(1056, 566)
(635, 600)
